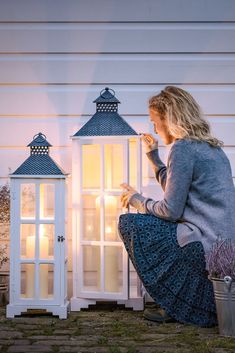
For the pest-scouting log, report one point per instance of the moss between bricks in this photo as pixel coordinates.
(122, 331)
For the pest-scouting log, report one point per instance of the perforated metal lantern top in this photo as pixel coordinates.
(106, 121)
(39, 162)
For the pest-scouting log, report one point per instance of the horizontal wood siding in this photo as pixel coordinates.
(76, 100)
(113, 10)
(144, 69)
(117, 38)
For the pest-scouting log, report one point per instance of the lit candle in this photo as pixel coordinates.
(29, 280)
(111, 261)
(43, 277)
(110, 217)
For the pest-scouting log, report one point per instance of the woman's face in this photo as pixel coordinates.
(161, 127)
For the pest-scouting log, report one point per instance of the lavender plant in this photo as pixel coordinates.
(221, 259)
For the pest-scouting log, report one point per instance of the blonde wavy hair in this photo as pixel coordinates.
(183, 114)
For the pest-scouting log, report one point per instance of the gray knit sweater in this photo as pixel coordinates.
(199, 193)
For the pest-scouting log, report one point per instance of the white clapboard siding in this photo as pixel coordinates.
(113, 10)
(141, 68)
(58, 133)
(77, 100)
(117, 38)
(59, 129)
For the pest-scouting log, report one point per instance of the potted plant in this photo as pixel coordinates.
(221, 268)
(4, 238)
(3, 276)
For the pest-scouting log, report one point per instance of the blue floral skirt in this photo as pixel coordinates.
(174, 276)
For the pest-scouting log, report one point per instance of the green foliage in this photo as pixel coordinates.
(102, 340)
(114, 349)
(4, 204)
(4, 221)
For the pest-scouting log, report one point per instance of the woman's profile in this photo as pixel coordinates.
(167, 239)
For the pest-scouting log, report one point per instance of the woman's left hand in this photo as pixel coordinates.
(127, 194)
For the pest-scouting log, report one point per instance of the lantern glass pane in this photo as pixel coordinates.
(133, 284)
(91, 166)
(46, 281)
(27, 240)
(113, 269)
(28, 201)
(91, 217)
(46, 241)
(27, 272)
(113, 161)
(133, 162)
(47, 201)
(112, 212)
(91, 267)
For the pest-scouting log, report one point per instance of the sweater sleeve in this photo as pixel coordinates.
(179, 178)
(159, 168)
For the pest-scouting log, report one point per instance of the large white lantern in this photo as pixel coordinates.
(38, 254)
(106, 153)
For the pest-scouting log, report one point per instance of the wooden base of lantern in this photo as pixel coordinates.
(137, 304)
(56, 310)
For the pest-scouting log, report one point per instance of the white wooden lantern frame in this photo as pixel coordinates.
(82, 298)
(58, 304)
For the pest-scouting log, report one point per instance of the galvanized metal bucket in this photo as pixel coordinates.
(224, 290)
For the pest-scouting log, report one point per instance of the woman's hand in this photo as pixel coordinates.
(127, 194)
(149, 141)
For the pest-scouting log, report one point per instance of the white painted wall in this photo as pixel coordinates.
(56, 56)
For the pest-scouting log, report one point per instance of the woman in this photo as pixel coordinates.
(168, 239)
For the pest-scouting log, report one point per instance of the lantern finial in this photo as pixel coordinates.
(107, 94)
(39, 145)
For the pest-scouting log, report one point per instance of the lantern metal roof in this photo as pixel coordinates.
(106, 121)
(39, 162)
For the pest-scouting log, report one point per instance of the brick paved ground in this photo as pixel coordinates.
(106, 330)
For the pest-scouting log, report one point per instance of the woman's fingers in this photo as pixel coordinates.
(127, 187)
(148, 139)
(150, 142)
(127, 194)
(124, 185)
(125, 199)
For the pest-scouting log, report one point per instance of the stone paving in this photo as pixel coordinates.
(107, 329)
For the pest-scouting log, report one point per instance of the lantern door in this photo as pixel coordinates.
(39, 247)
(103, 261)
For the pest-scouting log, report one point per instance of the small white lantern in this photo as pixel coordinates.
(106, 153)
(38, 250)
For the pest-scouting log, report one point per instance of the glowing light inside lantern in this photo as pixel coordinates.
(101, 210)
(29, 268)
(47, 201)
(30, 253)
(108, 230)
